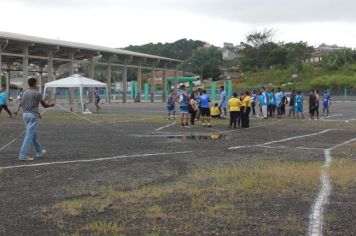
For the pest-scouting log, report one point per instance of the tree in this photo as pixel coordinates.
(339, 58)
(205, 62)
(297, 52)
(257, 49)
(181, 49)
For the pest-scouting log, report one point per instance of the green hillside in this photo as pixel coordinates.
(310, 76)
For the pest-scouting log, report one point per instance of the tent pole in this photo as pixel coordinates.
(81, 98)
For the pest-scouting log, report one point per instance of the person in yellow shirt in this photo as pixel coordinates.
(234, 105)
(215, 111)
(245, 110)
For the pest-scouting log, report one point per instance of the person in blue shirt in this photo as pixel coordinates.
(183, 100)
(3, 102)
(223, 101)
(263, 102)
(279, 101)
(97, 99)
(253, 102)
(199, 93)
(260, 102)
(271, 103)
(298, 104)
(204, 101)
(326, 103)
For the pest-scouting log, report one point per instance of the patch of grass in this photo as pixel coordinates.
(343, 173)
(330, 219)
(343, 168)
(207, 199)
(102, 227)
(78, 206)
(154, 212)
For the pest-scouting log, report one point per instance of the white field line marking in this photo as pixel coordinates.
(287, 147)
(12, 141)
(164, 127)
(343, 101)
(327, 117)
(75, 114)
(283, 140)
(94, 160)
(316, 217)
(348, 121)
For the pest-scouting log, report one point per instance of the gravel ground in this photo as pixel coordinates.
(28, 191)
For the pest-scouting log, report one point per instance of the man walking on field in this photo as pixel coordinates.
(30, 103)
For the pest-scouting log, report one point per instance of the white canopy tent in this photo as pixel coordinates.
(76, 81)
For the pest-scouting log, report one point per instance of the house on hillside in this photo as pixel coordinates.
(321, 52)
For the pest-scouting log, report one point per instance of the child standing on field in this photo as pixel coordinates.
(171, 105)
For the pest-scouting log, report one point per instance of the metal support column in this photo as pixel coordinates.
(0, 65)
(71, 72)
(50, 66)
(175, 83)
(91, 76)
(40, 82)
(108, 82)
(50, 74)
(124, 82)
(164, 84)
(25, 67)
(139, 82)
(8, 82)
(152, 85)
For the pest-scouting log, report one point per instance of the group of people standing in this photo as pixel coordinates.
(196, 106)
(273, 104)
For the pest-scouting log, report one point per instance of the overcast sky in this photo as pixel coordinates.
(119, 23)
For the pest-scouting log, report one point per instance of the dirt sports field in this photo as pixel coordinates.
(130, 171)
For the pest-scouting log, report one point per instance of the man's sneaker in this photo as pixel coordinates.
(42, 154)
(26, 159)
(210, 126)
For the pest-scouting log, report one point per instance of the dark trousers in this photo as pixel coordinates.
(245, 121)
(317, 110)
(198, 112)
(271, 109)
(233, 118)
(239, 118)
(5, 108)
(192, 116)
(253, 105)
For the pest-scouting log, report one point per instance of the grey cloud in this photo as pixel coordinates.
(245, 11)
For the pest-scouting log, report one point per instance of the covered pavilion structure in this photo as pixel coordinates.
(48, 54)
